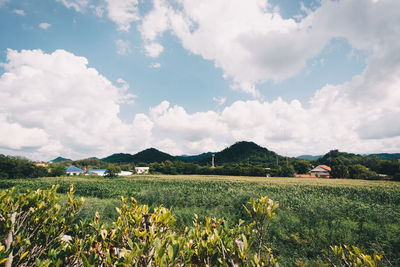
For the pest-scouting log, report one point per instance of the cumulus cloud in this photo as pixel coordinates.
(58, 105)
(123, 13)
(153, 49)
(123, 47)
(19, 12)
(252, 43)
(44, 25)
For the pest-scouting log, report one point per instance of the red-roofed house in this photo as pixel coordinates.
(321, 171)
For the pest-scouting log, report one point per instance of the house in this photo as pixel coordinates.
(72, 170)
(142, 170)
(321, 171)
(99, 172)
(125, 173)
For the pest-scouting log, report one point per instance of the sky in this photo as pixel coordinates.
(83, 78)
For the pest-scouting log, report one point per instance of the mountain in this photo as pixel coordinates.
(146, 156)
(386, 155)
(244, 152)
(195, 157)
(151, 155)
(309, 157)
(118, 158)
(59, 159)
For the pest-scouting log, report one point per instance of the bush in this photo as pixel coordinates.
(35, 229)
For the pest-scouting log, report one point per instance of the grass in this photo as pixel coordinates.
(313, 214)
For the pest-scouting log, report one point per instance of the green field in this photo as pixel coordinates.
(313, 213)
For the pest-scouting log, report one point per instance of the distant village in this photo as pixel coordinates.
(72, 170)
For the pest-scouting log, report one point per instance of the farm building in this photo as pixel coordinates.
(99, 172)
(125, 173)
(72, 170)
(102, 172)
(142, 170)
(321, 171)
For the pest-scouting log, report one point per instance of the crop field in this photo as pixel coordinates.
(313, 213)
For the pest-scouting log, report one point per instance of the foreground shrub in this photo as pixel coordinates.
(39, 229)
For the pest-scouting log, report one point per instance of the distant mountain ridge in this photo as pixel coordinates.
(310, 157)
(386, 155)
(195, 158)
(240, 152)
(244, 152)
(149, 155)
(59, 159)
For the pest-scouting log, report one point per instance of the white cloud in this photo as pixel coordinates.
(78, 5)
(249, 40)
(123, 12)
(56, 105)
(155, 65)
(44, 25)
(153, 49)
(252, 43)
(155, 22)
(123, 47)
(219, 100)
(97, 10)
(19, 12)
(15, 136)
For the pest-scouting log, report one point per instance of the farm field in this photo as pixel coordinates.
(313, 213)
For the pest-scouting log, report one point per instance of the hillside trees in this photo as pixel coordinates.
(112, 171)
(19, 168)
(302, 166)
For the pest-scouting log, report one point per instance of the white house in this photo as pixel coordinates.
(142, 170)
(124, 173)
(99, 172)
(72, 170)
(321, 171)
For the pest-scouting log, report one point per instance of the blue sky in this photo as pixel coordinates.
(186, 77)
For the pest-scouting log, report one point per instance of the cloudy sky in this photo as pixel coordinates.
(82, 78)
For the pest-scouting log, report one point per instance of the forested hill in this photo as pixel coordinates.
(119, 158)
(386, 155)
(195, 158)
(240, 152)
(309, 157)
(146, 156)
(60, 159)
(245, 152)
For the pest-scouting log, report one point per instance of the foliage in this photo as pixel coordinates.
(33, 224)
(347, 165)
(146, 156)
(359, 171)
(352, 256)
(313, 214)
(302, 166)
(57, 170)
(37, 229)
(34, 228)
(17, 167)
(112, 171)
